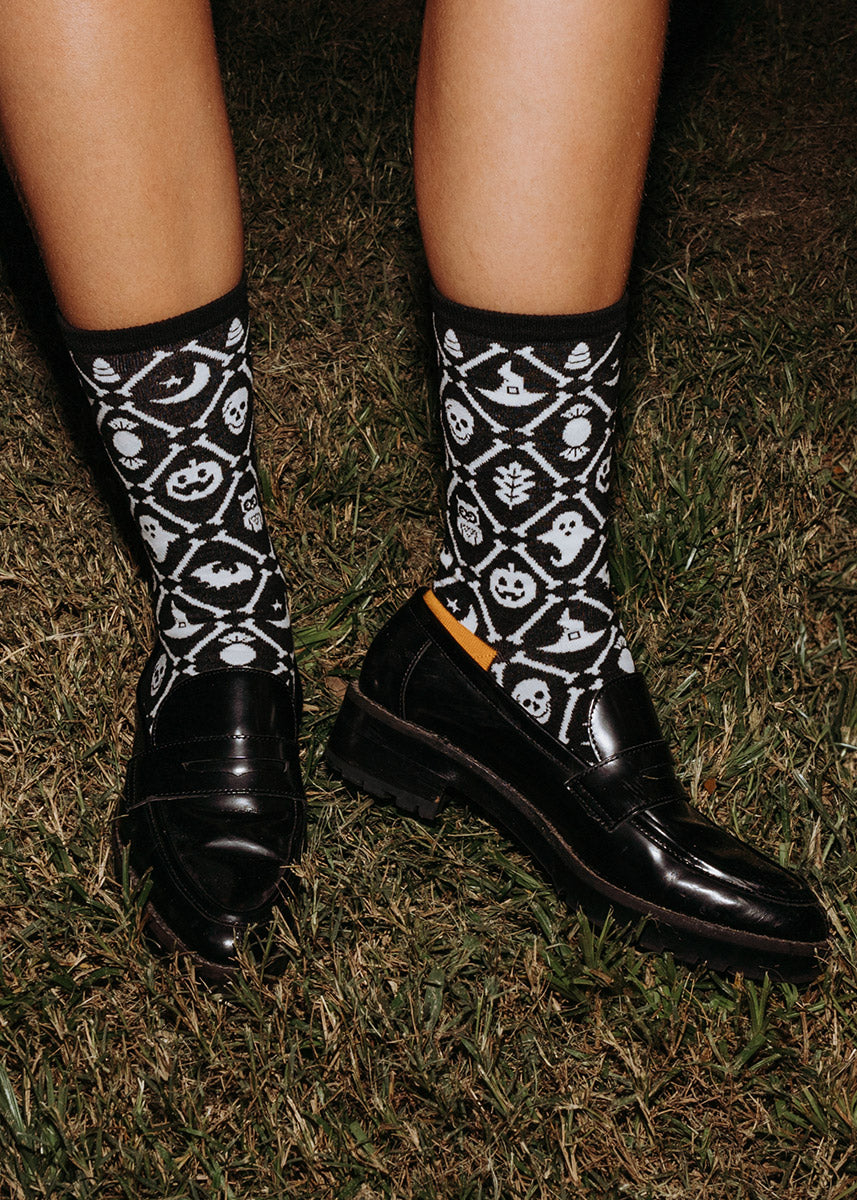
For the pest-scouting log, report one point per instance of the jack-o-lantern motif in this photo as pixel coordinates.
(468, 523)
(512, 588)
(195, 481)
(534, 697)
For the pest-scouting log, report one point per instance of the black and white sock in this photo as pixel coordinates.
(527, 409)
(173, 404)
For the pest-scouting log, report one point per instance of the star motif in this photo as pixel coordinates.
(172, 382)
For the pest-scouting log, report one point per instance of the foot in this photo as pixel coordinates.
(607, 822)
(213, 814)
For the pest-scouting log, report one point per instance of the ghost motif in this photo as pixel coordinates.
(460, 421)
(577, 432)
(155, 536)
(252, 513)
(567, 535)
(235, 408)
(534, 697)
(468, 523)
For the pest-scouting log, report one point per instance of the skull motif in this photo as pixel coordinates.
(512, 588)
(460, 421)
(534, 697)
(158, 674)
(468, 523)
(235, 409)
(251, 510)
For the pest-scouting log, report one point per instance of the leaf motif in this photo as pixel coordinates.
(514, 483)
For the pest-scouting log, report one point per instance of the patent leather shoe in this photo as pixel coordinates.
(213, 814)
(614, 831)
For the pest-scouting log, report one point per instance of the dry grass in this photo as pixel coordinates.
(445, 1027)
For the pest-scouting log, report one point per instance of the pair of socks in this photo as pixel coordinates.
(527, 408)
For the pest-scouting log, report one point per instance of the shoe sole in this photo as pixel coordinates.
(156, 928)
(392, 759)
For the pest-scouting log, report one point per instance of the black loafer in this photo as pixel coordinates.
(426, 724)
(214, 814)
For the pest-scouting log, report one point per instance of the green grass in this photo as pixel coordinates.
(445, 1027)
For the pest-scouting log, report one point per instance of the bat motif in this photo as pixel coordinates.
(217, 576)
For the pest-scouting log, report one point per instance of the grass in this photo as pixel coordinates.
(445, 1027)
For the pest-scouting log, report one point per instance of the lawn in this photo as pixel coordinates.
(445, 1027)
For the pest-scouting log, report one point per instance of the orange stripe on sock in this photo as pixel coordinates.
(478, 650)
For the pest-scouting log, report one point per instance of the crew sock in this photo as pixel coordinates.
(173, 404)
(527, 410)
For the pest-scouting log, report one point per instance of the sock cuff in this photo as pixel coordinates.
(527, 327)
(159, 333)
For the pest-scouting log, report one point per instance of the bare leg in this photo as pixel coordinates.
(532, 133)
(114, 127)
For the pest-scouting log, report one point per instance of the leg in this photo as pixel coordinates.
(114, 126)
(510, 684)
(532, 132)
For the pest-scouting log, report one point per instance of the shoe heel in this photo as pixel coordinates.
(367, 749)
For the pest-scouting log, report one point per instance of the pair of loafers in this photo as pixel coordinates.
(214, 810)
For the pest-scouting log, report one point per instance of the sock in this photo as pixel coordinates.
(527, 410)
(173, 404)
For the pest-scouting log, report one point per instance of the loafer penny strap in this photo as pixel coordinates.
(635, 779)
(248, 775)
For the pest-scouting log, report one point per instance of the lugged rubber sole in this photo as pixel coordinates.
(395, 760)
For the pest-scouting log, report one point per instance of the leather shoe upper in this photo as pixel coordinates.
(621, 811)
(214, 809)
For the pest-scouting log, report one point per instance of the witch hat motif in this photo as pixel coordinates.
(512, 393)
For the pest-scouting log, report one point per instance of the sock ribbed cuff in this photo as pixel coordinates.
(525, 327)
(159, 333)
